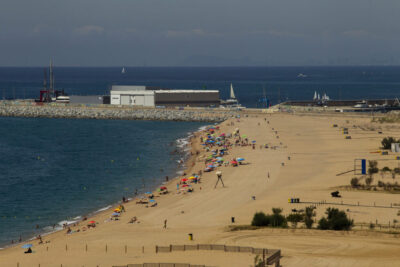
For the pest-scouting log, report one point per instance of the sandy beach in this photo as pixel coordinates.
(307, 156)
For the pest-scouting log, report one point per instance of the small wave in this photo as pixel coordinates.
(103, 209)
(67, 222)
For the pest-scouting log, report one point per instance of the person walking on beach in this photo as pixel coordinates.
(165, 224)
(268, 175)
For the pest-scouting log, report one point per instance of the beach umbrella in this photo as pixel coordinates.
(223, 134)
(163, 188)
(210, 166)
(92, 222)
(244, 136)
(192, 177)
(148, 193)
(240, 159)
(115, 214)
(185, 185)
(184, 179)
(27, 246)
(253, 141)
(152, 200)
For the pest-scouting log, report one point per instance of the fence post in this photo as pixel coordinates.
(170, 248)
(106, 248)
(143, 249)
(86, 247)
(66, 247)
(156, 249)
(126, 249)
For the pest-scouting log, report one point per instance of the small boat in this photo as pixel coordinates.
(62, 99)
(361, 104)
(232, 101)
(123, 71)
(301, 75)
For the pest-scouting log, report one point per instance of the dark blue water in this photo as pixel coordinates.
(280, 83)
(57, 169)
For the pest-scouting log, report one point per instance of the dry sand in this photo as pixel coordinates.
(317, 153)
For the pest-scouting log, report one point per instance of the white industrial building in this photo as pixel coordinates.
(139, 96)
(132, 96)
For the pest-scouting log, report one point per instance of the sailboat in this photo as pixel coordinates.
(232, 101)
(123, 71)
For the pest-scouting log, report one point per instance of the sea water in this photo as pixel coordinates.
(54, 171)
(250, 83)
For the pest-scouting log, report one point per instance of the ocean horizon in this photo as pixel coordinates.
(278, 84)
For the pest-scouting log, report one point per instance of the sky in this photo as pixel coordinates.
(199, 33)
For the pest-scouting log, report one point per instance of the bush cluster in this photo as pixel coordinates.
(276, 219)
(387, 142)
(335, 220)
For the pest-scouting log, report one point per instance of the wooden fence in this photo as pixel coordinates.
(272, 255)
(161, 265)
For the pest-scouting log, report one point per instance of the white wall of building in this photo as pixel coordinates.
(133, 98)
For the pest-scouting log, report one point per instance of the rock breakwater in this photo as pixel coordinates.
(114, 113)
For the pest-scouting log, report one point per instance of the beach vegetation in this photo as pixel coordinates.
(355, 182)
(381, 184)
(368, 181)
(386, 169)
(295, 218)
(276, 219)
(387, 142)
(309, 215)
(336, 220)
(372, 167)
(396, 170)
(260, 219)
(258, 262)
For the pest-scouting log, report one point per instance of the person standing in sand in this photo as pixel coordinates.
(165, 224)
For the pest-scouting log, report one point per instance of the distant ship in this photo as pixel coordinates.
(301, 75)
(123, 71)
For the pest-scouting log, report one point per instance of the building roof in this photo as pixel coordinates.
(186, 91)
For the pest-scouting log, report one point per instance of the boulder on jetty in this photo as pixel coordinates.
(32, 110)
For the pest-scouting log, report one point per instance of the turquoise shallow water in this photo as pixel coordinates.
(55, 170)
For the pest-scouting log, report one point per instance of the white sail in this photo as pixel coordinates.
(232, 93)
(123, 71)
(318, 97)
(315, 95)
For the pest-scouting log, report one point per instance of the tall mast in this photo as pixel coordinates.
(45, 79)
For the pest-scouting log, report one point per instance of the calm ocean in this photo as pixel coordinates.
(55, 170)
(280, 83)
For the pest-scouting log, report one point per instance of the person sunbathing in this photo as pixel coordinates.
(133, 220)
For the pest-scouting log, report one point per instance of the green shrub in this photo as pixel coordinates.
(295, 218)
(323, 224)
(276, 219)
(309, 215)
(369, 180)
(373, 167)
(336, 220)
(260, 219)
(386, 169)
(387, 142)
(354, 182)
